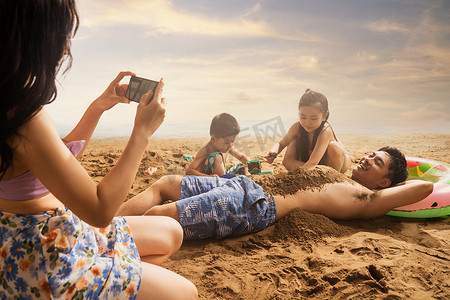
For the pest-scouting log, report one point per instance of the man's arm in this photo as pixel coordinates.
(353, 201)
(409, 192)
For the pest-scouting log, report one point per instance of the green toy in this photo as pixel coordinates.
(187, 157)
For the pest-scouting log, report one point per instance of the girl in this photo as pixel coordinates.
(311, 140)
(58, 234)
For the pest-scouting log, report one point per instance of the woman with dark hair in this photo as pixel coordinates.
(311, 140)
(59, 236)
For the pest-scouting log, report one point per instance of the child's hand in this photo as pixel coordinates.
(246, 171)
(114, 93)
(270, 156)
(213, 175)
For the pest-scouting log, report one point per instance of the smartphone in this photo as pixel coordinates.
(139, 86)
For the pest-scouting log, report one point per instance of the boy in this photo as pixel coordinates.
(210, 159)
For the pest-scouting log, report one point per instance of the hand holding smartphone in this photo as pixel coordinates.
(139, 86)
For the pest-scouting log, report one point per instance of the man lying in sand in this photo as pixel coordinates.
(211, 207)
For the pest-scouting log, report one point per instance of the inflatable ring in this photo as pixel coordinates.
(437, 204)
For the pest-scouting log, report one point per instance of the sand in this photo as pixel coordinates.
(306, 255)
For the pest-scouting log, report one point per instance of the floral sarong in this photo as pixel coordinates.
(55, 255)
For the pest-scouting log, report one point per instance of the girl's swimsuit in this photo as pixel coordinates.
(56, 255)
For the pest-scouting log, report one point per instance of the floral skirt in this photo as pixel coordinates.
(55, 255)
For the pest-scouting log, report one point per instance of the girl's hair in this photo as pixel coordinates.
(35, 39)
(311, 98)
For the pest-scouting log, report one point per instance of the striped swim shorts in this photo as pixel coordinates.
(211, 207)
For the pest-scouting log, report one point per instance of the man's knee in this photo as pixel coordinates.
(168, 210)
(161, 182)
(156, 210)
(167, 185)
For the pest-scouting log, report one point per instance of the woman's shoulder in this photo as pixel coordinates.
(36, 132)
(39, 124)
(40, 119)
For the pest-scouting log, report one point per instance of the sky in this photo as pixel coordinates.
(383, 65)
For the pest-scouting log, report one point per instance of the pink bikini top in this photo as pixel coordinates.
(26, 186)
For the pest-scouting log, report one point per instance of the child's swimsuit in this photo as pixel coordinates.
(208, 168)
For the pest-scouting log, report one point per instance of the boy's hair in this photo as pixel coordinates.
(223, 125)
(398, 171)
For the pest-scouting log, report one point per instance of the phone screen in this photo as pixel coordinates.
(139, 86)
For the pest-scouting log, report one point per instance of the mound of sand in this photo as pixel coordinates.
(304, 228)
(288, 183)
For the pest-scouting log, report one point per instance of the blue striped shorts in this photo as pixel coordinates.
(211, 207)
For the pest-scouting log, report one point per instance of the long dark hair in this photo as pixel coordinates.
(35, 40)
(310, 98)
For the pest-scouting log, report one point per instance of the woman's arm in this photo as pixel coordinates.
(41, 150)
(115, 93)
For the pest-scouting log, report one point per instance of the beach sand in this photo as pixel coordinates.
(306, 255)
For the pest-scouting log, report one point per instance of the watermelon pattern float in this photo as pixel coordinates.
(437, 204)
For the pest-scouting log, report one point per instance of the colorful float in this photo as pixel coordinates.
(437, 204)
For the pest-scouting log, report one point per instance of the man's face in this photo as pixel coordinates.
(372, 170)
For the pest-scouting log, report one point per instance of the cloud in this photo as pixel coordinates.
(160, 17)
(366, 57)
(379, 103)
(308, 62)
(256, 8)
(244, 98)
(427, 113)
(386, 26)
